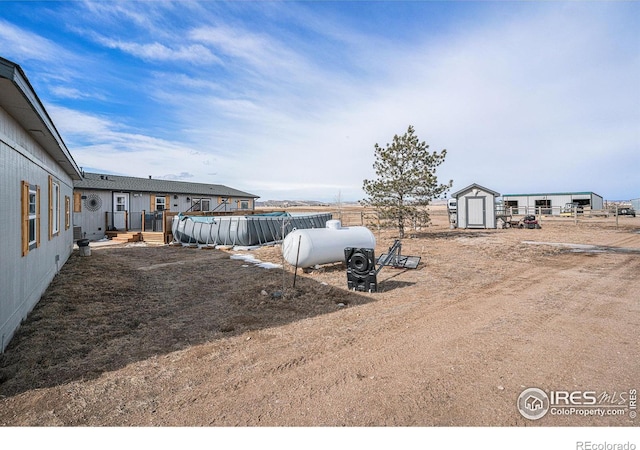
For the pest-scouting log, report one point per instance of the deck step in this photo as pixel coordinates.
(153, 238)
(125, 237)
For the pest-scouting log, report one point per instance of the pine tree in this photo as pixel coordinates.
(406, 180)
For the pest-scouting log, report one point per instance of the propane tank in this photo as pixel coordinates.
(310, 247)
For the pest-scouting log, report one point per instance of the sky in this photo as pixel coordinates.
(287, 99)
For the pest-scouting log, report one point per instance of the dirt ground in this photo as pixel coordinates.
(177, 336)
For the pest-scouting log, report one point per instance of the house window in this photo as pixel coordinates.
(161, 203)
(30, 217)
(121, 203)
(244, 204)
(77, 202)
(54, 208)
(67, 212)
(201, 204)
(33, 208)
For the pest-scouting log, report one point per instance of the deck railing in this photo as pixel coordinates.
(135, 221)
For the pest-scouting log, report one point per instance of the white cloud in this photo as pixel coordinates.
(24, 45)
(195, 54)
(538, 100)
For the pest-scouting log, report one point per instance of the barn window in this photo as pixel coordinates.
(546, 204)
(244, 204)
(511, 205)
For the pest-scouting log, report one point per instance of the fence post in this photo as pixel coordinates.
(144, 215)
(616, 216)
(575, 213)
(540, 219)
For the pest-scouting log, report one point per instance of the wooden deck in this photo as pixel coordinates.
(153, 238)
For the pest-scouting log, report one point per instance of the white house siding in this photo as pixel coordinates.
(23, 279)
(93, 223)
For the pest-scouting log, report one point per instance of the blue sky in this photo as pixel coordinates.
(286, 100)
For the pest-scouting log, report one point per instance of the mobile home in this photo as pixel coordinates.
(104, 202)
(37, 188)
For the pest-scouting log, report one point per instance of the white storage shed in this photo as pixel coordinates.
(475, 207)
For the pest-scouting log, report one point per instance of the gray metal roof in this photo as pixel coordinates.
(156, 186)
(551, 193)
(18, 98)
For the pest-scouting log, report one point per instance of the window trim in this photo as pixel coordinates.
(67, 212)
(77, 202)
(160, 200)
(54, 208)
(198, 204)
(30, 218)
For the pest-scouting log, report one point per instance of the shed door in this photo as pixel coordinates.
(476, 212)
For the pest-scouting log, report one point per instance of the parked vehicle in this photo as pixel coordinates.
(570, 209)
(529, 221)
(627, 211)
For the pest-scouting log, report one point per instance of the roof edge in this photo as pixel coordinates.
(552, 193)
(475, 185)
(14, 73)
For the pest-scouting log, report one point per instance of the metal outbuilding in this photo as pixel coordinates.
(475, 207)
(551, 203)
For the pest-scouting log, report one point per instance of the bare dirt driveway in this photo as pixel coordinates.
(176, 336)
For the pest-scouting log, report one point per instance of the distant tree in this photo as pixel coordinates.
(406, 180)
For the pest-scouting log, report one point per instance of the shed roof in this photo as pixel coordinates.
(19, 99)
(132, 184)
(475, 186)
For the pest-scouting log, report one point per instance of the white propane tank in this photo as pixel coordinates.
(324, 245)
